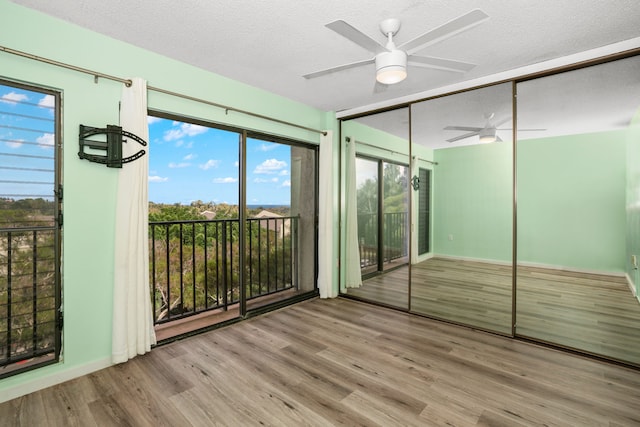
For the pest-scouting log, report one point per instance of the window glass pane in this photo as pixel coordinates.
(281, 212)
(193, 220)
(29, 261)
(367, 206)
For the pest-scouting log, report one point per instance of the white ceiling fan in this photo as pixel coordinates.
(391, 60)
(487, 133)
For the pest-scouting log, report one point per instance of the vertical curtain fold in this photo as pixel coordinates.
(353, 276)
(326, 263)
(133, 331)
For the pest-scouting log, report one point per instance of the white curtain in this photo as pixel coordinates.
(413, 235)
(133, 331)
(353, 276)
(326, 264)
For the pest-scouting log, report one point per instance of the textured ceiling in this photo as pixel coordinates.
(271, 44)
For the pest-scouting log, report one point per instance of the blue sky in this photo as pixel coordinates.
(27, 130)
(191, 162)
(187, 162)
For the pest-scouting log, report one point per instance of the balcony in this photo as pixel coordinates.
(28, 297)
(393, 248)
(195, 267)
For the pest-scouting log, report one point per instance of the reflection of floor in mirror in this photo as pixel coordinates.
(389, 288)
(469, 292)
(590, 312)
(593, 313)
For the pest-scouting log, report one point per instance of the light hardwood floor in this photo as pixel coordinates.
(593, 313)
(342, 362)
(390, 288)
(468, 292)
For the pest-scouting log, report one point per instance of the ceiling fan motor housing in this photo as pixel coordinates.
(487, 134)
(391, 67)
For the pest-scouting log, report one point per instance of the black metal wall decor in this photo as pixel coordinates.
(112, 146)
(415, 182)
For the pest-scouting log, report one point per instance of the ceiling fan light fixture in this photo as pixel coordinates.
(488, 135)
(391, 67)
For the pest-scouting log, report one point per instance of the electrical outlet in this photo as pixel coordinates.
(450, 237)
(634, 261)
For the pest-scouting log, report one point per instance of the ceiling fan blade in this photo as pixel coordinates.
(467, 128)
(466, 135)
(524, 130)
(440, 63)
(451, 28)
(356, 36)
(338, 68)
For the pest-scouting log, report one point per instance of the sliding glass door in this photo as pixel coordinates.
(232, 222)
(382, 204)
(280, 231)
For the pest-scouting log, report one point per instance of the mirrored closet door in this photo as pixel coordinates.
(375, 225)
(463, 150)
(578, 209)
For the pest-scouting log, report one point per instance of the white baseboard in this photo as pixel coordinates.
(572, 269)
(53, 379)
(464, 258)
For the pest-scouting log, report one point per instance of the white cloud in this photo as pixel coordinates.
(48, 101)
(227, 180)
(236, 164)
(151, 120)
(17, 143)
(283, 172)
(45, 140)
(13, 98)
(267, 147)
(179, 165)
(156, 178)
(185, 129)
(286, 183)
(210, 164)
(265, 180)
(270, 166)
(189, 157)
(179, 143)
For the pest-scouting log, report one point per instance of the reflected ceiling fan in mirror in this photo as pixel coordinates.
(487, 133)
(391, 60)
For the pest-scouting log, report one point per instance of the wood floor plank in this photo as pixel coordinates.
(342, 362)
(595, 313)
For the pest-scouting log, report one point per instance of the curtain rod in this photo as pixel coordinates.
(375, 146)
(425, 160)
(128, 83)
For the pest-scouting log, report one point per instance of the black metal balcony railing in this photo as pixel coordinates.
(194, 265)
(394, 237)
(28, 303)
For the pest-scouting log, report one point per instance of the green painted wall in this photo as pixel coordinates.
(89, 188)
(633, 200)
(571, 201)
(393, 148)
(472, 202)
